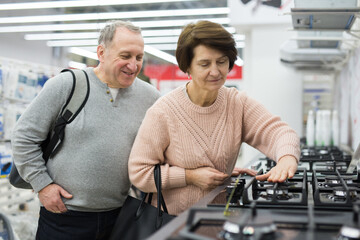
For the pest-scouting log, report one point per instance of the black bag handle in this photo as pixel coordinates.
(160, 198)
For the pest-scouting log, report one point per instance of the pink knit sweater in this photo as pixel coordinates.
(181, 135)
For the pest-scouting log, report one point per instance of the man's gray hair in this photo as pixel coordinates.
(108, 32)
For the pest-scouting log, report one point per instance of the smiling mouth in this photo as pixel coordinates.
(128, 73)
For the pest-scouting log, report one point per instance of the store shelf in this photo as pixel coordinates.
(320, 37)
(323, 19)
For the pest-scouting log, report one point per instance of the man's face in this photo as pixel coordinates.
(122, 58)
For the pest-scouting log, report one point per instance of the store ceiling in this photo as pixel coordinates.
(327, 33)
(75, 28)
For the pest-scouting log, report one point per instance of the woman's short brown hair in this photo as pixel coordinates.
(205, 33)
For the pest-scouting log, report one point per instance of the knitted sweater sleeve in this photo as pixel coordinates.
(149, 149)
(267, 132)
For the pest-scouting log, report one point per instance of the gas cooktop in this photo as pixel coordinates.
(320, 202)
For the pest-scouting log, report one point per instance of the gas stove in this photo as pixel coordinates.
(320, 202)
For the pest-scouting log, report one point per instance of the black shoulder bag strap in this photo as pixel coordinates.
(76, 101)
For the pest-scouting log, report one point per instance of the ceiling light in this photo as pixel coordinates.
(148, 41)
(88, 48)
(164, 47)
(89, 35)
(97, 26)
(83, 52)
(148, 49)
(240, 44)
(160, 54)
(172, 47)
(88, 3)
(73, 43)
(239, 61)
(115, 15)
(59, 36)
(161, 40)
(94, 42)
(77, 65)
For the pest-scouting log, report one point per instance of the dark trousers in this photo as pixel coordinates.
(74, 225)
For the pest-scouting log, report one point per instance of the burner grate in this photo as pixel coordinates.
(337, 191)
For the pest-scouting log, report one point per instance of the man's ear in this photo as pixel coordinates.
(100, 52)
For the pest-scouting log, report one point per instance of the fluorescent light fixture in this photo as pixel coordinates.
(115, 15)
(97, 26)
(90, 35)
(239, 62)
(172, 46)
(240, 44)
(77, 65)
(89, 3)
(315, 38)
(149, 41)
(62, 36)
(239, 37)
(88, 48)
(164, 47)
(93, 42)
(148, 49)
(73, 43)
(83, 52)
(160, 54)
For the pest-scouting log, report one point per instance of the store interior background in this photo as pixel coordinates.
(286, 90)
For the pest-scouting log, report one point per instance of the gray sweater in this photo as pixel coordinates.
(91, 163)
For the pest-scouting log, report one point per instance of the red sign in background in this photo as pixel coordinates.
(161, 75)
(173, 72)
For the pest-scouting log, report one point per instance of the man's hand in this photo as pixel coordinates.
(284, 169)
(50, 197)
(237, 171)
(206, 178)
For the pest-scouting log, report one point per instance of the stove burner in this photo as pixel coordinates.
(347, 232)
(333, 181)
(323, 152)
(281, 193)
(282, 185)
(234, 230)
(278, 196)
(270, 191)
(339, 194)
(341, 168)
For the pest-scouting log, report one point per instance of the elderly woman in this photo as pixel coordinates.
(195, 132)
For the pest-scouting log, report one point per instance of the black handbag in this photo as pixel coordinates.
(138, 219)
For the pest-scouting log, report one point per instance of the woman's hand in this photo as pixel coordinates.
(284, 169)
(206, 178)
(237, 171)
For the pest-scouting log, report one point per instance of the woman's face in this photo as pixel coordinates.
(208, 68)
